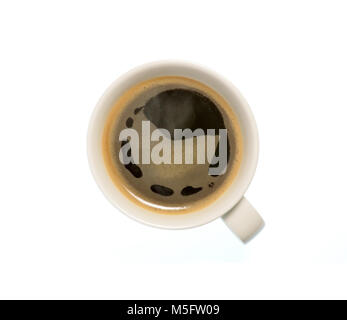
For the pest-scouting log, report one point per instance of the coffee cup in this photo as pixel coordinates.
(228, 204)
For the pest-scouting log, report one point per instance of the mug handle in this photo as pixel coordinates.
(244, 220)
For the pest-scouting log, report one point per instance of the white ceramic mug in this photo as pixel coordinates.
(234, 209)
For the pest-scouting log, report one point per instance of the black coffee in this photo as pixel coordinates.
(171, 106)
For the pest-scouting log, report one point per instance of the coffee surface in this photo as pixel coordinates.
(183, 109)
(170, 103)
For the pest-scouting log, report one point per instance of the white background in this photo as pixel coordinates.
(60, 238)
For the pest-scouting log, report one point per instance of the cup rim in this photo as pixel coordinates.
(224, 87)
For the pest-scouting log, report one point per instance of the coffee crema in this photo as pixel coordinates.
(168, 104)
